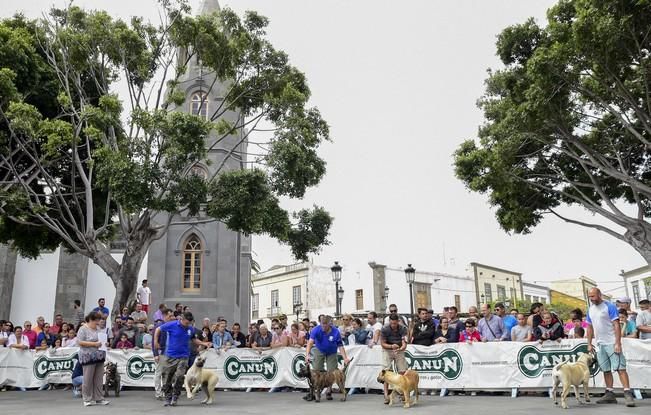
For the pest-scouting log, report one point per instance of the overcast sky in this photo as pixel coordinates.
(398, 81)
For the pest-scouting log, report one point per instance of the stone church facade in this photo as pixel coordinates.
(199, 262)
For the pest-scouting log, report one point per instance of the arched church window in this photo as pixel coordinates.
(199, 171)
(192, 256)
(199, 104)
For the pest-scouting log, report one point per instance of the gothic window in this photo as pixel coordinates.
(199, 104)
(199, 171)
(192, 256)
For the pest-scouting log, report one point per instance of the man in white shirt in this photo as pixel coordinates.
(144, 296)
(643, 320)
(603, 325)
(374, 329)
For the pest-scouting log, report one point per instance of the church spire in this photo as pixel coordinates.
(208, 7)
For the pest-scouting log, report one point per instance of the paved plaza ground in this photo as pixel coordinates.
(288, 403)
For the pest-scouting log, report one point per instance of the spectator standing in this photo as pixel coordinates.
(101, 308)
(324, 341)
(470, 334)
(548, 329)
(393, 310)
(262, 339)
(58, 324)
(508, 320)
(129, 330)
(17, 340)
(627, 326)
(92, 361)
(473, 313)
(144, 296)
(239, 339)
(643, 320)
(139, 316)
(625, 303)
(359, 335)
(394, 344)
(297, 337)
(445, 333)
(124, 315)
(454, 321)
(535, 315)
(491, 327)
(30, 334)
(576, 320)
(604, 327)
(522, 332)
(70, 340)
(423, 330)
(374, 329)
(78, 312)
(46, 336)
(147, 337)
(40, 323)
(159, 315)
(250, 337)
(278, 336)
(221, 339)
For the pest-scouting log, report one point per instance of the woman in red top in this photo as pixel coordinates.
(470, 334)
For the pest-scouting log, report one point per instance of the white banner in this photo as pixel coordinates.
(454, 366)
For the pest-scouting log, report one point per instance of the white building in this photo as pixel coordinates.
(35, 287)
(278, 290)
(637, 283)
(535, 293)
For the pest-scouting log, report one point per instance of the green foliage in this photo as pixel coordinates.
(104, 156)
(568, 117)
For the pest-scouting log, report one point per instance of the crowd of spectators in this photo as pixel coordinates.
(134, 328)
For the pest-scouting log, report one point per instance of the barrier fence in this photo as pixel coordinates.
(498, 365)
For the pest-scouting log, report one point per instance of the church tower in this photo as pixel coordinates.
(202, 263)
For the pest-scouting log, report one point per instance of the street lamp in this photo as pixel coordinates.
(298, 307)
(385, 297)
(482, 298)
(410, 275)
(336, 277)
(340, 297)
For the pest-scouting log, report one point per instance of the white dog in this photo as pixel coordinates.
(198, 377)
(572, 374)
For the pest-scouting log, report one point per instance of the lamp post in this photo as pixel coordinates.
(482, 298)
(336, 277)
(410, 275)
(298, 307)
(385, 298)
(340, 297)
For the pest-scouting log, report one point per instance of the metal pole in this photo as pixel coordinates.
(337, 298)
(411, 299)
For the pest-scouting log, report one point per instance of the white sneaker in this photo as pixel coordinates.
(89, 403)
(103, 402)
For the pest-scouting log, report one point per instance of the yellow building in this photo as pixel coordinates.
(496, 284)
(558, 297)
(577, 287)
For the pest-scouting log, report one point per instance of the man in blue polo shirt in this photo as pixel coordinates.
(327, 340)
(174, 361)
(102, 309)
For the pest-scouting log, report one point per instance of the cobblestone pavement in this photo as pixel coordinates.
(288, 403)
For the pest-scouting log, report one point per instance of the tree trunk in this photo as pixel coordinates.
(126, 282)
(639, 237)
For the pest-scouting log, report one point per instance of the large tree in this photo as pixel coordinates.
(568, 121)
(79, 167)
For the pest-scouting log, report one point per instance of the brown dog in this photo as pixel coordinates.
(572, 375)
(319, 381)
(402, 384)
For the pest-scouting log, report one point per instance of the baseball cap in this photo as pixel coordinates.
(624, 300)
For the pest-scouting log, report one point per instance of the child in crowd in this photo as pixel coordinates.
(124, 342)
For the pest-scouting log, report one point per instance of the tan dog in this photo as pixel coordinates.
(198, 377)
(402, 384)
(572, 374)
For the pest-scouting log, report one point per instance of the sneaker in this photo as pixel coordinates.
(168, 402)
(173, 401)
(628, 398)
(89, 403)
(609, 397)
(103, 402)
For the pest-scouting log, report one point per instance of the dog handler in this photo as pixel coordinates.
(603, 320)
(393, 348)
(174, 362)
(327, 340)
